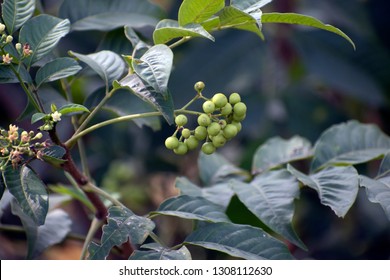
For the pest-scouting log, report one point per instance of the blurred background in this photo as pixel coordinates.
(299, 81)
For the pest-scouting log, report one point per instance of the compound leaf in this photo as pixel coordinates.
(349, 143)
(190, 207)
(337, 186)
(240, 241)
(158, 252)
(277, 151)
(270, 196)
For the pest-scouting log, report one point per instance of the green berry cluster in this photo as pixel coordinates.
(219, 122)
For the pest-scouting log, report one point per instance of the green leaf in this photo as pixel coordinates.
(132, 36)
(384, 168)
(122, 225)
(29, 192)
(270, 196)
(57, 69)
(215, 168)
(240, 241)
(16, 12)
(349, 143)
(107, 64)
(73, 193)
(378, 191)
(168, 29)
(160, 253)
(194, 208)
(7, 76)
(235, 18)
(277, 151)
(219, 194)
(137, 86)
(37, 117)
(106, 15)
(72, 109)
(54, 155)
(249, 5)
(56, 228)
(154, 67)
(292, 18)
(197, 11)
(42, 33)
(337, 186)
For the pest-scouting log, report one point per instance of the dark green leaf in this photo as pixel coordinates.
(122, 225)
(154, 67)
(37, 117)
(240, 241)
(384, 169)
(57, 69)
(108, 15)
(292, 18)
(378, 191)
(16, 12)
(277, 151)
(235, 18)
(123, 103)
(72, 109)
(191, 207)
(270, 196)
(107, 64)
(197, 11)
(54, 155)
(42, 33)
(349, 143)
(160, 253)
(215, 168)
(56, 228)
(168, 29)
(29, 191)
(220, 194)
(337, 186)
(148, 94)
(8, 76)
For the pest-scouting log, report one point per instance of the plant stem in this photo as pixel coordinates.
(95, 189)
(95, 226)
(95, 111)
(180, 42)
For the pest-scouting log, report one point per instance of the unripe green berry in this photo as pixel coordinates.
(200, 133)
(239, 109)
(234, 98)
(208, 107)
(222, 123)
(182, 149)
(186, 133)
(219, 140)
(181, 120)
(204, 120)
(237, 125)
(172, 142)
(238, 118)
(199, 86)
(192, 143)
(219, 99)
(230, 131)
(213, 129)
(208, 148)
(227, 109)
